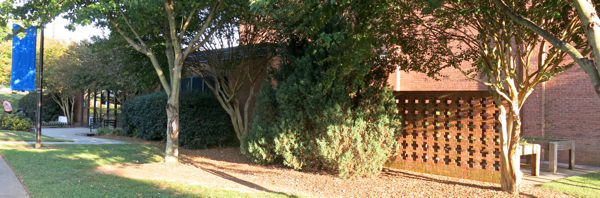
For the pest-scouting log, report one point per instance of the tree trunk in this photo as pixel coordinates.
(64, 102)
(510, 164)
(514, 157)
(72, 108)
(590, 23)
(240, 124)
(172, 150)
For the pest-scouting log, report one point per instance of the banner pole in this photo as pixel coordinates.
(38, 134)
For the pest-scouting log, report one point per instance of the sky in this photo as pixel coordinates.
(58, 31)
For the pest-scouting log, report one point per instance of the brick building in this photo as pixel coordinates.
(566, 107)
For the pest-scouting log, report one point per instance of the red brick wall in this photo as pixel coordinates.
(244, 92)
(573, 113)
(451, 80)
(568, 108)
(531, 114)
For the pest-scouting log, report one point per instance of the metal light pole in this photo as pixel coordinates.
(38, 134)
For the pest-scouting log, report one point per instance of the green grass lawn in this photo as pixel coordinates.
(587, 185)
(13, 99)
(67, 171)
(25, 136)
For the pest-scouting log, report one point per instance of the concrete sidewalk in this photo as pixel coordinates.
(70, 134)
(10, 186)
(562, 172)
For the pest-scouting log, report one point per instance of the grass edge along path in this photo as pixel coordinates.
(68, 171)
(587, 185)
(12, 136)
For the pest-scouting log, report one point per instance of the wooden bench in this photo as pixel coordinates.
(109, 122)
(534, 151)
(553, 146)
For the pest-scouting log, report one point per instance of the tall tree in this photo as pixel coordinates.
(62, 61)
(491, 49)
(237, 58)
(183, 25)
(590, 23)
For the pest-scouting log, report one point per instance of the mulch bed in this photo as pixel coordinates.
(228, 168)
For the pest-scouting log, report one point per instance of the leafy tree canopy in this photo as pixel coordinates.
(184, 25)
(370, 30)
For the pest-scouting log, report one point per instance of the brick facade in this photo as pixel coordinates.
(572, 111)
(566, 107)
(244, 91)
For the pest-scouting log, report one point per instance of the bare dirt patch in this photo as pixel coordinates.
(229, 169)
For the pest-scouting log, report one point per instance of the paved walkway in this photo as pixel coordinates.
(562, 172)
(11, 187)
(71, 134)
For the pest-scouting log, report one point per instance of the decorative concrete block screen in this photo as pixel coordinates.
(449, 133)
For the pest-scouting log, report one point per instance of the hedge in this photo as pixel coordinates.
(203, 122)
(15, 122)
(50, 109)
(322, 112)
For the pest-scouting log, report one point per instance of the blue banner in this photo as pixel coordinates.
(23, 61)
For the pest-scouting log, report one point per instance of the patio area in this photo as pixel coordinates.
(562, 172)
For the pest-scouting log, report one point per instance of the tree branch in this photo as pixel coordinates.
(201, 32)
(131, 27)
(148, 52)
(586, 64)
(187, 22)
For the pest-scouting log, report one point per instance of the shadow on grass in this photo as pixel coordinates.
(233, 153)
(571, 183)
(232, 156)
(399, 173)
(581, 186)
(595, 177)
(68, 171)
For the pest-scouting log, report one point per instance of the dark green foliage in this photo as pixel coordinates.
(259, 143)
(145, 114)
(202, 119)
(50, 109)
(323, 115)
(108, 131)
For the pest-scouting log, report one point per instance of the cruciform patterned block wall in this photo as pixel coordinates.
(449, 133)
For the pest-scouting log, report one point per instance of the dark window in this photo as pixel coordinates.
(196, 83)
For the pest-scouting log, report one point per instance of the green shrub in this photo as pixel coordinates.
(108, 131)
(145, 114)
(15, 122)
(324, 115)
(202, 120)
(50, 109)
